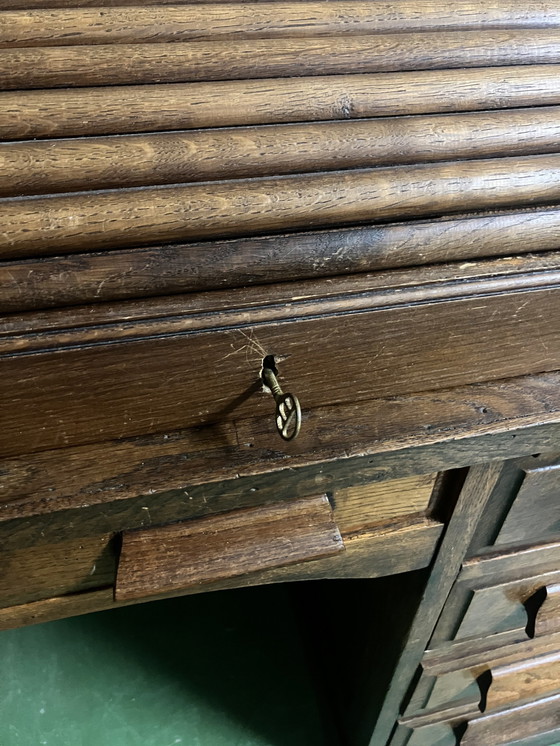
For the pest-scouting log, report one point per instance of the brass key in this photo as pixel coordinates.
(288, 409)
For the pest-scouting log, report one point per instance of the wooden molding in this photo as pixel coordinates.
(193, 553)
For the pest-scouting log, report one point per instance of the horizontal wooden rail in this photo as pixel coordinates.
(170, 158)
(162, 270)
(41, 225)
(124, 109)
(110, 64)
(68, 27)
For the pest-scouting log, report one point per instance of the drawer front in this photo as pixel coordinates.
(466, 684)
(109, 375)
(535, 512)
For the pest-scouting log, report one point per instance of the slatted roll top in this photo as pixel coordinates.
(151, 148)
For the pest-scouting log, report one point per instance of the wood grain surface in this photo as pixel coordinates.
(137, 482)
(273, 20)
(110, 64)
(466, 9)
(91, 392)
(512, 724)
(161, 270)
(178, 213)
(246, 152)
(548, 615)
(125, 109)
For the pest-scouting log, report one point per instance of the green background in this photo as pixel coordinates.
(219, 669)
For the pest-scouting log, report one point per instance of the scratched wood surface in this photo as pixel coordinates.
(279, 19)
(205, 366)
(175, 62)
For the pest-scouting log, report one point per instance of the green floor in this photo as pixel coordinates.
(222, 669)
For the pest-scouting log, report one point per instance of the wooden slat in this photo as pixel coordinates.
(548, 616)
(466, 9)
(194, 553)
(278, 19)
(161, 270)
(127, 217)
(359, 507)
(246, 152)
(121, 109)
(523, 680)
(519, 722)
(107, 64)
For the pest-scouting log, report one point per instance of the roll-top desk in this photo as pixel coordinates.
(211, 211)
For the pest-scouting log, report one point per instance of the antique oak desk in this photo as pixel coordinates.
(357, 203)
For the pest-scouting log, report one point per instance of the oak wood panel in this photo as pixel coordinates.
(479, 655)
(57, 607)
(134, 217)
(142, 481)
(122, 109)
(70, 396)
(248, 152)
(193, 553)
(192, 473)
(159, 270)
(278, 19)
(511, 563)
(76, 564)
(358, 507)
(548, 615)
(535, 513)
(152, 316)
(502, 607)
(109, 64)
(525, 680)
(515, 723)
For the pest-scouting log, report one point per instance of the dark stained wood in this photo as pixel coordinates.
(76, 564)
(160, 270)
(57, 607)
(512, 563)
(109, 64)
(193, 553)
(145, 481)
(86, 391)
(278, 19)
(535, 513)
(122, 109)
(472, 500)
(152, 316)
(518, 722)
(395, 549)
(177, 213)
(246, 152)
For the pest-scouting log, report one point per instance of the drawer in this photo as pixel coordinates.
(529, 724)
(479, 686)
(376, 529)
(93, 374)
(510, 594)
(535, 513)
